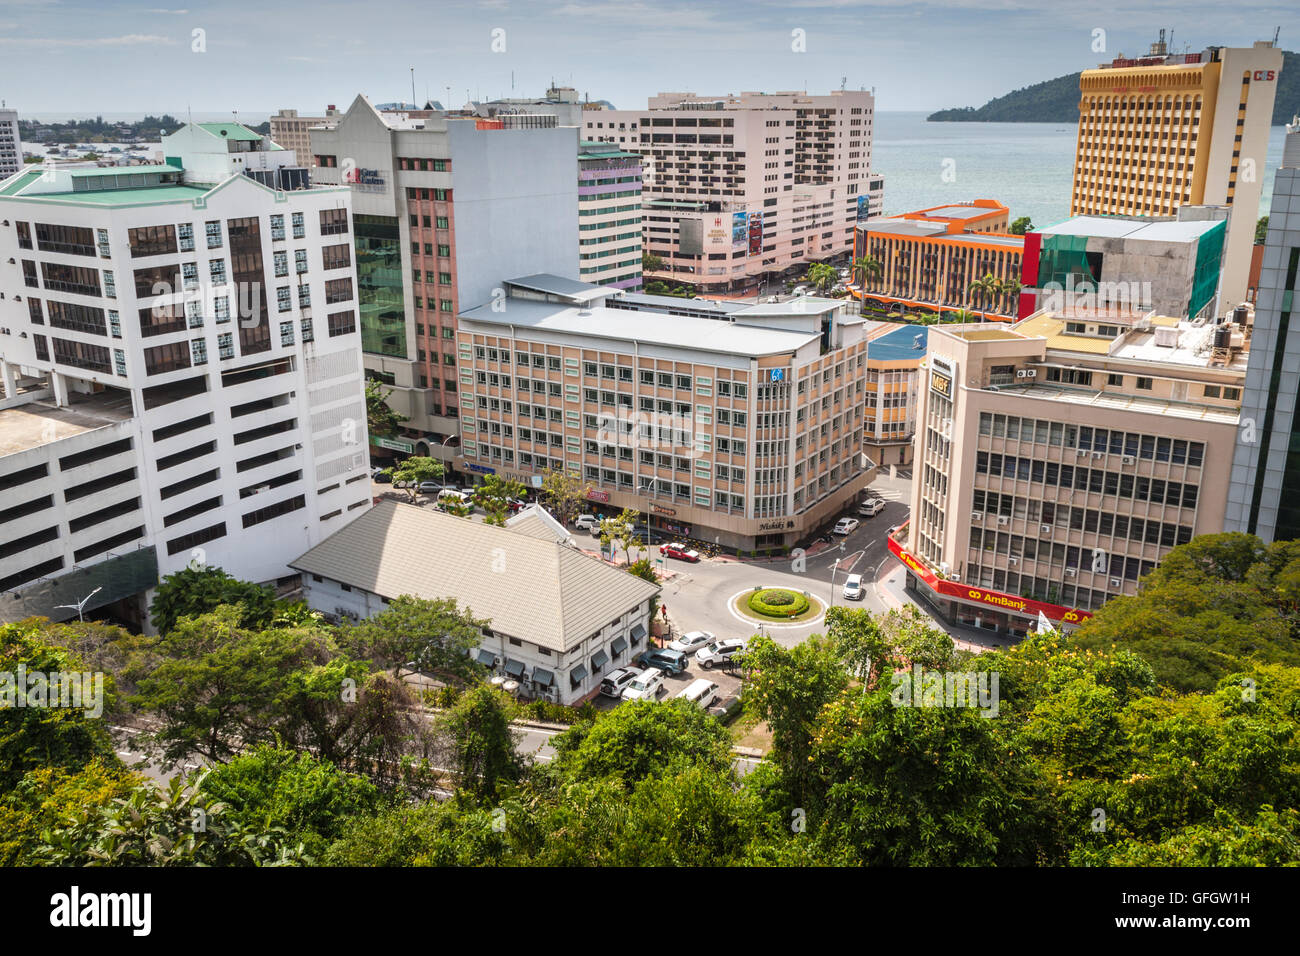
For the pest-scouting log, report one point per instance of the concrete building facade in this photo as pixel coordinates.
(609, 216)
(293, 132)
(180, 357)
(738, 188)
(441, 208)
(11, 144)
(1055, 465)
(746, 432)
(1167, 130)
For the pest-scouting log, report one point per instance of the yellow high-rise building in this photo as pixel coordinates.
(1170, 130)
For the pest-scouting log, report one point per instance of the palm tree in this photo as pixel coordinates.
(1009, 289)
(868, 268)
(986, 286)
(821, 276)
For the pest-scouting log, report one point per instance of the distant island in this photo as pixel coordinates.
(1057, 101)
(98, 130)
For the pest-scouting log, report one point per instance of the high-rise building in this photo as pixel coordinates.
(443, 207)
(1167, 130)
(609, 216)
(292, 131)
(169, 397)
(11, 144)
(929, 259)
(1264, 497)
(741, 187)
(746, 430)
(1061, 458)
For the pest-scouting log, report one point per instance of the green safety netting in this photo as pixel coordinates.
(1063, 262)
(1205, 280)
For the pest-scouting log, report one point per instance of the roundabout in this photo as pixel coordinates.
(776, 607)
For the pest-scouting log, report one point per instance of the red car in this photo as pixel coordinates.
(680, 551)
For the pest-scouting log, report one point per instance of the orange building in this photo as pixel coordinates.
(929, 258)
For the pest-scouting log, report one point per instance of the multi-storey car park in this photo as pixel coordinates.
(1060, 458)
(181, 368)
(738, 188)
(745, 430)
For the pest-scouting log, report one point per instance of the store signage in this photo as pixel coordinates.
(369, 179)
(661, 510)
(394, 445)
(778, 375)
(776, 525)
(598, 496)
(481, 469)
(940, 384)
(995, 599)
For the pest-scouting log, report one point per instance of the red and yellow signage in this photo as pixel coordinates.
(1007, 602)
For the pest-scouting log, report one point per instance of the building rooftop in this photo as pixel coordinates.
(40, 422)
(529, 587)
(1158, 338)
(722, 307)
(656, 328)
(800, 305)
(985, 238)
(230, 131)
(548, 284)
(899, 344)
(1106, 402)
(1118, 227)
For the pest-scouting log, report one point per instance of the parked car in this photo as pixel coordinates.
(429, 488)
(382, 477)
(587, 523)
(665, 659)
(703, 693)
(645, 685)
(691, 641)
(515, 504)
(452, 496)
(616, 680)
(853, 588)
(719, 652)
(680, 551)
(845, 526)
(871, 507)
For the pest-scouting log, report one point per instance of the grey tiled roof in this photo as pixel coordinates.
(528, 587)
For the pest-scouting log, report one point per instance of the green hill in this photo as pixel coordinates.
(1057, 101)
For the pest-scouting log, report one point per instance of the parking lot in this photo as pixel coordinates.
(727, 677)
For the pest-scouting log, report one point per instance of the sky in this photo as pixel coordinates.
(112, 56)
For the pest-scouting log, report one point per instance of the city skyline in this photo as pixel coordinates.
(497, 48)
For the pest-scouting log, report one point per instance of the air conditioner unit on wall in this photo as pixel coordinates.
(977, 516)
(1045, 528)
(1002, 519)
(1127, 459)
(1116, 583)
(1069, 572)
(1012, 562)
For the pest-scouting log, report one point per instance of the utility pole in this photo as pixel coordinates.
(81, 605)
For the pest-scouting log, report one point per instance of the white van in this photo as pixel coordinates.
(587, 523)
(702, 693)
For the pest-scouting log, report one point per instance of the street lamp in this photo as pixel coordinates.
(649, 532)
(81, 605)
(834, 568)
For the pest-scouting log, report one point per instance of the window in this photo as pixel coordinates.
(338, 290)
(284, 298)
(277, 227)
(300, 260)
(299, 228)
(281, 260)
(333, 222)
(1144, 383)
(337, 257)
(213, 230)
(342, 323)
(151, 241)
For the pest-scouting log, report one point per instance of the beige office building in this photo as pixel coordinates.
(1168, 130)
(291, 131)
(745, 431)
(1061, 458)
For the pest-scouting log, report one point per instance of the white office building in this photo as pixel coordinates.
(11, 144)
(181, 364)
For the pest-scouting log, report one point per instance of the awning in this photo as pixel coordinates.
(486, 658)
(599, 659)
(619, 645)
(545, 678)
(638, 632)
(577, 675)
(514, 668)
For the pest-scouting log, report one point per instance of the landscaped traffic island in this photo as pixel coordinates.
(778, 605)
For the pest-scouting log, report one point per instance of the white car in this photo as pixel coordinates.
(853, 588)
(845, 526)
(702, 693)
(719, 652)
(692, 641)
(645, 685)
(871, 507)
(587, 523)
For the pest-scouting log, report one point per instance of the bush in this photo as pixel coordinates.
(778, 602)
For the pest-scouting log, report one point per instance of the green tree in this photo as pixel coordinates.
(431, 634)
(381, 420)
(199, 589)
(617, 532)
(1021, 226)
(869, 269)
(38, 726)
(564, 493)
(484, 743)
(48, 796)
(1261, 231)
(788, 688)
(821, 276)
(415, 470)
(494, 495)
(985, 289)
(651, 262)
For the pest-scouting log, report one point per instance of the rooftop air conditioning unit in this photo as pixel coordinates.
(1045, 529)
(977, 516)
(1069, 572)
(1116, 582)
(1031, 373)
(1022, 373)
(955, 578)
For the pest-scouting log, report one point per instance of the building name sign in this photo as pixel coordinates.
(778, 375)
(1265, 75)
(941, 384)
(661, 510)
(598, 496)
(365, 180)
(775, 525)
(394, 445)
(481, 469)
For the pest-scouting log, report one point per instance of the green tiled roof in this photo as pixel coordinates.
(230, 131)
(110, 170)
(24, 178)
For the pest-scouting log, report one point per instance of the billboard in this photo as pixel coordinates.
(739, 231)
(864, 207)
(756, 235)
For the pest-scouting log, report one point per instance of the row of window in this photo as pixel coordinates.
(1088, 438)
(1095, 480)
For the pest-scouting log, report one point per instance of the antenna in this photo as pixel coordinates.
(1276, 34)
(414, 105)
(843, 82)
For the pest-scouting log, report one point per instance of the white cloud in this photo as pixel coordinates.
(130, 39)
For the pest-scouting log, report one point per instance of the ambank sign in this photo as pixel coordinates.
(965, 592)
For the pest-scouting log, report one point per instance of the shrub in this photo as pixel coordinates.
(778, 602)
